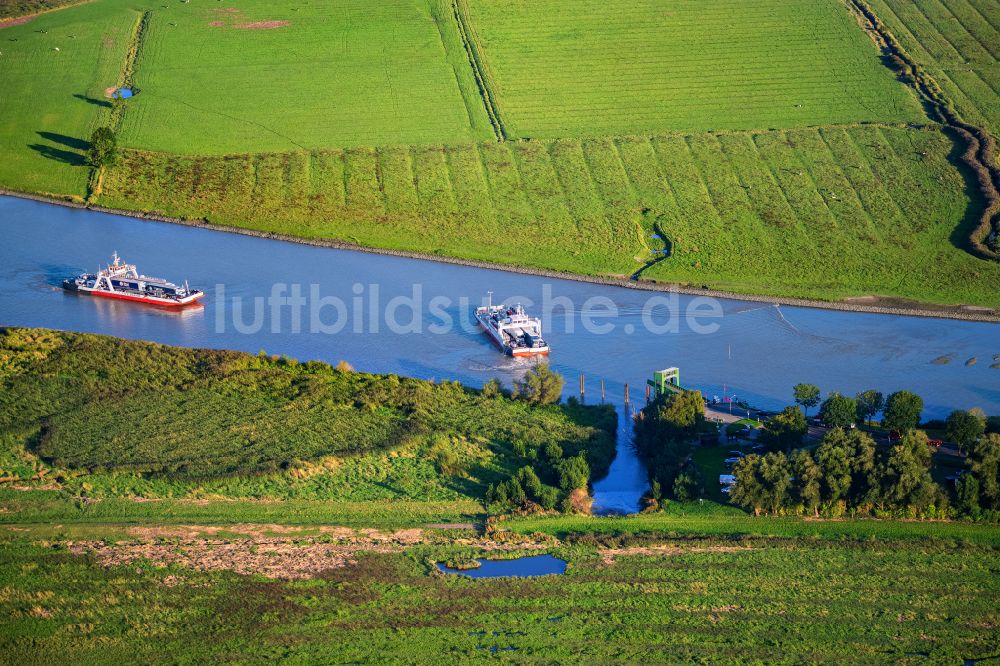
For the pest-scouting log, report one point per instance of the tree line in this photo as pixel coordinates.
(848, 472)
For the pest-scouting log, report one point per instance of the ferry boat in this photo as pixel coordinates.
(512, 330)
(123, 281)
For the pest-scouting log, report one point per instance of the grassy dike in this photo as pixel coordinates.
(827, 184)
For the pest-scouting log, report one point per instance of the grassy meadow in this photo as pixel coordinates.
(696, 600)
(566, 68)
(52, 100)
(258, 76)
(775, 152)
(98, 417)
(958, 42)
(11, 9)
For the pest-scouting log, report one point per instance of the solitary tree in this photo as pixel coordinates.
(103, 149)
(902, 411)
(964, 428)
(870, 403)
(838, 411)
(806, 395)
(540, 386)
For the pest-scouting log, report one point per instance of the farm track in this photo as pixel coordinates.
(480, 68)
(980, 147)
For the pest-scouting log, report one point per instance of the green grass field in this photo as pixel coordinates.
(958, 41)
(566, 68)
(822, 213)
(699, 600)
(11, 9)
(52, 100)
(375, 126)
(259, 76)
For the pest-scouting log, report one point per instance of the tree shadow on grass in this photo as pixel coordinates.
(961, 235)
(69, 141)
(93, 100)
(59, 155)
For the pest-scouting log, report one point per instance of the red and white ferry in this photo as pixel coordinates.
(123, 281)
(512, 330)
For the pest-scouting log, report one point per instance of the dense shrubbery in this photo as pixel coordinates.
(552, 476)
(849, 473)
(92, 404)
(663, 435)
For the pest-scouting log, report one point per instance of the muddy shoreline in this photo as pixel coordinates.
(871, 305)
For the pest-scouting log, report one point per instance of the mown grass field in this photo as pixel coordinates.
(566, 68)
(375, 126)
(958, 41)
(98, 417)
(823, 213)
(52, 100)
(259, 76)
(699, 600)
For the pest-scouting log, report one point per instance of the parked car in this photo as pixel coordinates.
(732, 461)
(936, 443)
(737, 454)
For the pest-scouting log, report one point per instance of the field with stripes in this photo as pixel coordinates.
(822, 213)
(760, 147)
(958, 41)
(588, 67)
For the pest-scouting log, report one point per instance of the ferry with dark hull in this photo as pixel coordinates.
(512, 330)
(122, 281)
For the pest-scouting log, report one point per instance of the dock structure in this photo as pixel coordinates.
(665, 381)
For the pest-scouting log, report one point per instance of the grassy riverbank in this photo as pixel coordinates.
(97, 418)
(815, 175)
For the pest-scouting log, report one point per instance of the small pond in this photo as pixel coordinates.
(522, 567)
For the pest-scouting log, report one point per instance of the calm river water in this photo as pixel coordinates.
(757, 351)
